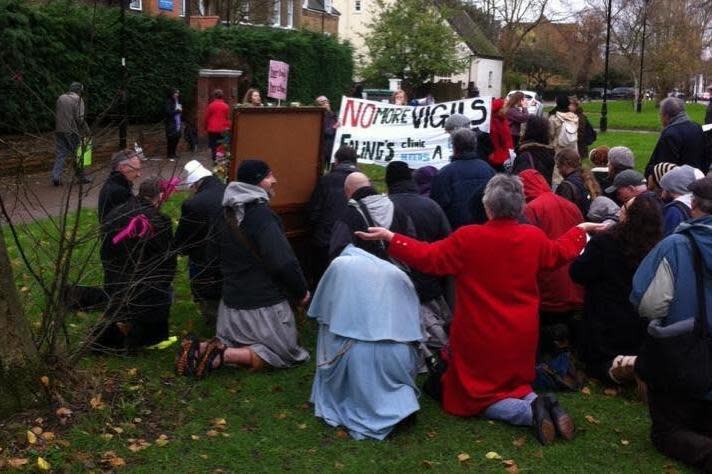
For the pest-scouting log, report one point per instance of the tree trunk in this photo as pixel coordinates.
(18, 355)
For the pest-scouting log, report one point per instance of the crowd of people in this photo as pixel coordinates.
(471, 273)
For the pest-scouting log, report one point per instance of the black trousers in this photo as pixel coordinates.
(172, 145)
(682, 428)
(213, 142)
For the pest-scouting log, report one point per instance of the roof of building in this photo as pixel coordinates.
(469, 31)
(319, 6)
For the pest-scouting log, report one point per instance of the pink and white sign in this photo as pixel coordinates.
(278, 75)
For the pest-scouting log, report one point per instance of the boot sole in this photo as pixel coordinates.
(565, 427)
(546, 432)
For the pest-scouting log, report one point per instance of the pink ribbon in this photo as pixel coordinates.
(168, 187)
(138, 226)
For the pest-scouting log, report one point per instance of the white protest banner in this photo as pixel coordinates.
(277, 84)
(382, 132)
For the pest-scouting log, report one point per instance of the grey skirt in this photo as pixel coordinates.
(270, 332)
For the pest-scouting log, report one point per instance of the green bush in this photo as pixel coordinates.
(318, 64)
(43, 49)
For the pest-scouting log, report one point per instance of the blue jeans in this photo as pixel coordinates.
(66, 145)
(516, 411)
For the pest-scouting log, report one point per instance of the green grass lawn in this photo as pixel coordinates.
(642, 144)
(622, 116)
(239, 421)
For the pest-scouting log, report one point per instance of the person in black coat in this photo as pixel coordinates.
(366, 208)
(459, 186)
(612, 326)
(197, 228)
(708, 113)
(118, 187)
(681, 141)
(430, 224)
(330, 124)
(534, 149)
(326, 205)
(141, 265)
(173, 121)
(573, 187)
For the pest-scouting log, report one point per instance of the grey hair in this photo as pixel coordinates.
(456, 122)
(704, 205)
(672, 107)
(121, 157)
(464, 140)
(504, 197)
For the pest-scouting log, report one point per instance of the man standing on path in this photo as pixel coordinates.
(681, 141)
(70, 127)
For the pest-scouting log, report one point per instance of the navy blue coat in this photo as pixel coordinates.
(458, 189)
(681, 143)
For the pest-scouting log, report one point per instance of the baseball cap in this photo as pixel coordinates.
(625, 178)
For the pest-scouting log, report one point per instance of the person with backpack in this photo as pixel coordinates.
(586, 134)
(678, 199)
(611, 328)
(671, 289)
(563, 130)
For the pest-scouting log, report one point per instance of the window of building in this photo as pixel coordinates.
(136, 5)
(290, 13)
(489, 79)
(182, 7)
(357, 6)
(277, 13)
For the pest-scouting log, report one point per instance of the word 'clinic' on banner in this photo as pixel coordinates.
(382, 132)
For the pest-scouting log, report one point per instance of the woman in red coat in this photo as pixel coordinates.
(493, 337)
(500, 134)
(217, 120)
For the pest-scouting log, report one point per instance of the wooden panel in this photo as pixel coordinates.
(289, 140)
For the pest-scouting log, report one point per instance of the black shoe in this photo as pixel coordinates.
(562, 421)
(56, 183)
(542, 423)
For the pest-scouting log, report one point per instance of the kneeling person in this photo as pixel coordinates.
(367, 310)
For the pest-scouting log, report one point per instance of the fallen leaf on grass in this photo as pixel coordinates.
(510, 466)
(586, 391)
(519, 442)
(17, 463)
(31, 437)
(462, 457)
(280, 416)
(218, 422)
(341, 434)
(36, 430)
(63, 413)
(427, 464)
(194, 437)
(48, 436)
(338, 465)
(625, 442)
(132, 372)
(204, 456)
(611, 392)
(45, 380)
(302, 426)
(212, 433)
(139, 445)
(106, 436)
(43, 465)
(110, 459)
(591, 419)
(493, 455)
(431, 434)
(96, 402)
(161, 441)
(117, 429)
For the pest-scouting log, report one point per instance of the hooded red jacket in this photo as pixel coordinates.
(555, 216)
(500, 134)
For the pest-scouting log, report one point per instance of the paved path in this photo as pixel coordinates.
(32, 197)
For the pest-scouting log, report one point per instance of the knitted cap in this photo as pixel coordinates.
(252, 171)
(621, 156)
(397, 171)
(661, 169)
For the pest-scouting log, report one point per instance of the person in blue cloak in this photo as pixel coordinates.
(367, 360)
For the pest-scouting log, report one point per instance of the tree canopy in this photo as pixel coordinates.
(411, 39)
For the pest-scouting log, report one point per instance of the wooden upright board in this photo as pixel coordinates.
(289, 140)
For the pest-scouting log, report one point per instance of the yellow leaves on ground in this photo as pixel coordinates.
(17, 463)
(591, 419)
(43, 465)
(96, 403)
(463, 457)
(110, 460)
(519, 442)
(492, 455)
(31, 437)
(138, 445)
(161, 441)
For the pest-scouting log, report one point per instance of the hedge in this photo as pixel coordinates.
(43, 49)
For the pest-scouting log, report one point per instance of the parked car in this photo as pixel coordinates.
(535, 106)
(622, 93)
(678, 94)
(596, 93)
(707, 95)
